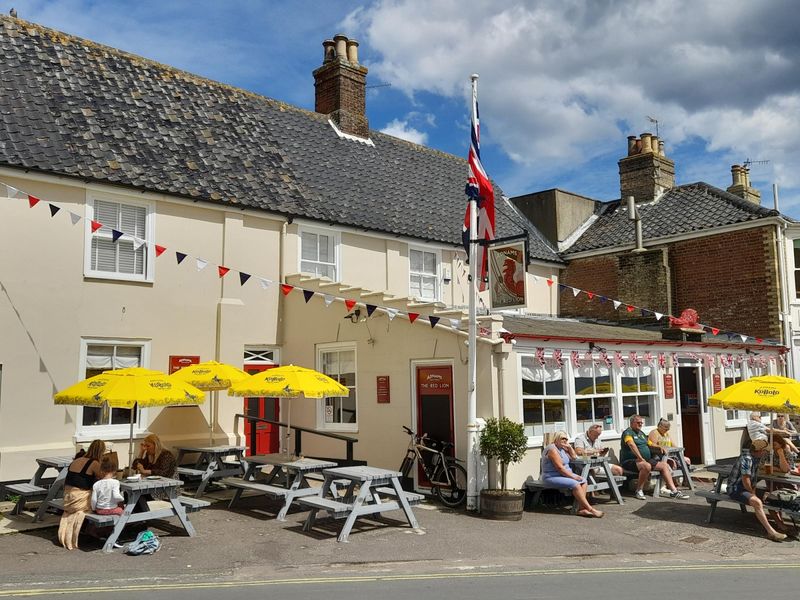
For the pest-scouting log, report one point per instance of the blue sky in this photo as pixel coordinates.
(562, 83)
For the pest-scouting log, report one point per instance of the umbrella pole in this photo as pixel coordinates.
(211, 418)
(288, 426)
(130, 440)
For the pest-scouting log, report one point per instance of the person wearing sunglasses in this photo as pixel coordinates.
(635, 456)
(557, 474)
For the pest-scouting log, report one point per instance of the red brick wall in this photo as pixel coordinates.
(730, 279)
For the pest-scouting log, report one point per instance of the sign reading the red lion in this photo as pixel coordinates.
(507, 275)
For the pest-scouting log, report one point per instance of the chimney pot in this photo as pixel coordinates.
(631, 144)
(328, 50)
(661, 148)
(341, 45)
(647, 145)
(352, 51)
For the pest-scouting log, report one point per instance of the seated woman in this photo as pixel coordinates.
(556, 473)
(81, 475)
(154, 459)
(659, 440)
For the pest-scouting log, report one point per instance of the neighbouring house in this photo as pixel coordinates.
(152, 217)
(671, 248)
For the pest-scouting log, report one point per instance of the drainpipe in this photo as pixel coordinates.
(783, 279)
(633, 215)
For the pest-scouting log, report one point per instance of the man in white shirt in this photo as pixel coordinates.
(589, 444)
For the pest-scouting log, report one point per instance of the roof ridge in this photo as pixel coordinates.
(734, 199)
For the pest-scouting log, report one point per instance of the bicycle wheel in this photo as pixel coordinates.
(456, 493)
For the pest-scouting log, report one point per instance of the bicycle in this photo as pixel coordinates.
(448, 479)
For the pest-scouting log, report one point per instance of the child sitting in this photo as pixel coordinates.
(106, 495)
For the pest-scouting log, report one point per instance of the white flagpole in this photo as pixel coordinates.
(472, 459)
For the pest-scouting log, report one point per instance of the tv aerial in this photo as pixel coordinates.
(749, 162)
(653, 120)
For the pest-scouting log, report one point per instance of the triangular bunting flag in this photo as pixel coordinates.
(561, 287)
(630, 308)
(32, 200)
(243, 277)
(434, 321)
(575, 292)
(201, 263)
(658, 315)
(392, 312)
(759, 340)
(370, 309)
(54, 209)
(536, 278)
(715, 331)
(264, 283)
(349, 304)
(328, 299)
(744, 337)
(286, 288)
(590, 294)
(160, 250)
(12, 192)
(137, 243)
(413, 316)
(603, 299)
(222, 271)
(96, 225)
(617, 304)
(308, 295)
(550, 282)
(455, 323)
(115, 235)
(180, 256)
(74, 217)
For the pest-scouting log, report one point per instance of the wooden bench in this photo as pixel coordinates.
(190, 473)
(334, 508)
(190, 505)
(713, 497)
(655, 479)
(533, 490)
(273, 491)
(412, 497)
(25, 491)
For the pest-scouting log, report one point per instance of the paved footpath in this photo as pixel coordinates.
(249, 544)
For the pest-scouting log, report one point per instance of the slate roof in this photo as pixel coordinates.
(682, 209)
(76, 108)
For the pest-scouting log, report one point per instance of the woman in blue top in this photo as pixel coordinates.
(556, 473)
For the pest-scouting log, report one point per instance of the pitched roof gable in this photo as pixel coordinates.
(680, 210)
(76, 108)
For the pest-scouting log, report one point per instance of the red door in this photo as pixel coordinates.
(267, 434)
(435, 408)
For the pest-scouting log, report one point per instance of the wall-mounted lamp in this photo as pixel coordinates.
(354, 316)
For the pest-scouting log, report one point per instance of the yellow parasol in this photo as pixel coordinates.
(289, 382)
(125, 388)
(768, 393)
(210, 376)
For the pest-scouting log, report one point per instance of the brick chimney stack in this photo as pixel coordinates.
(341, 85)
(646, 172)
(741, 184)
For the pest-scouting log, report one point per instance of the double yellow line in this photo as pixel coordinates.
(144, 587)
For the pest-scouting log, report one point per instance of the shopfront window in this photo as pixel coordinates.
(594, 397)
(543, 396)
(639, 393)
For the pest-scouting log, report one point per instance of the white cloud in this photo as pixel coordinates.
(563, 82)
(403, 130)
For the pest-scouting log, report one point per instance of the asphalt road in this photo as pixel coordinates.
(731, 581)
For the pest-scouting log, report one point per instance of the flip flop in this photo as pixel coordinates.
(585, 513)
(598, 514)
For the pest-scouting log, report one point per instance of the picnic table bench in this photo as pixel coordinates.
(210, 464)
(596, 470)
(682, 470)
(36, 489)
(379, 491)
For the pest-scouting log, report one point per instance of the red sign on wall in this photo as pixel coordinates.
(435, 379)
(717, 383)
(669, 386)
(383, 389)
(178, 362)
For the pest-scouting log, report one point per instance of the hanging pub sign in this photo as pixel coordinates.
(507, 275)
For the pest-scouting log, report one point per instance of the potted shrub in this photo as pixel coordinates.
(504, 441)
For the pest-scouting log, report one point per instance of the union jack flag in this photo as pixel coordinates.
(480, 188)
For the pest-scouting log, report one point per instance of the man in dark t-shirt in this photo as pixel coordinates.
(635, 456)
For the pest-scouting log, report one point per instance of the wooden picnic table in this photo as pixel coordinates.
(136, 490)
(585, 467)
(210, 464)
(35, 488)
(286, 480)
(379, 491)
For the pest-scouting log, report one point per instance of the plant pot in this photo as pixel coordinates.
(502, 505)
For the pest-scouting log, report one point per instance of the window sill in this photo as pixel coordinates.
(109, 433)
(338, 428)
(118, 277)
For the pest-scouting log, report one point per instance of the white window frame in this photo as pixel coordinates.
(437, 288)
(335, 235)
(795, 268)
(329, 347)
(569, 408)
(654, 394)
(150, 233)
(614, 395)
(84, 433)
